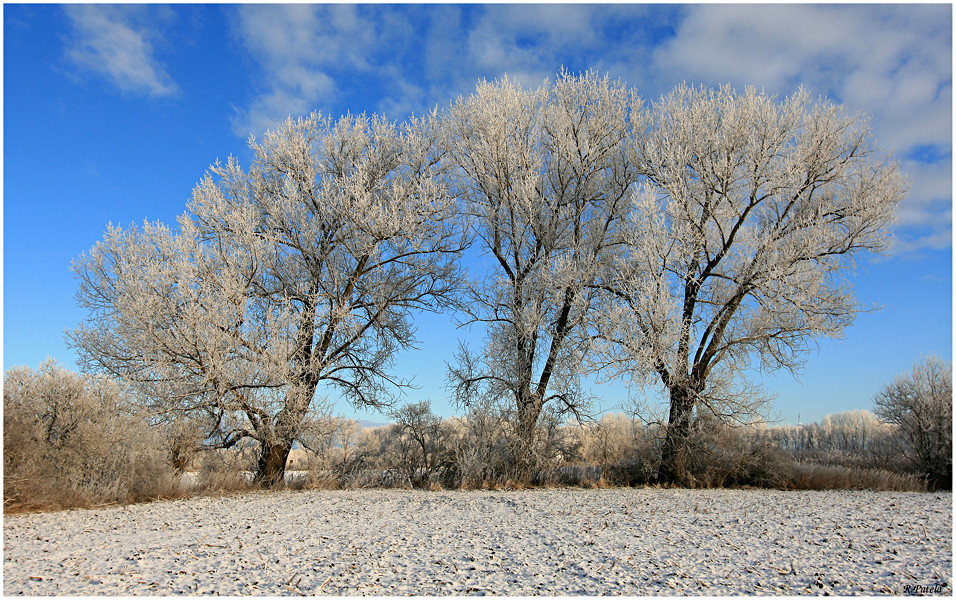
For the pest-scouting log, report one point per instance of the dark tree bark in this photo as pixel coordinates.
(674, 450)
(270, 470)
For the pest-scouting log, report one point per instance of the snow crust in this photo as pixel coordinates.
(553, 542)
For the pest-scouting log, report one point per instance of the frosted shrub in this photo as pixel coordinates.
(723, 456)
(482, 452)
(421, 446)
(226, 470)
(72, 440)
(624, 451)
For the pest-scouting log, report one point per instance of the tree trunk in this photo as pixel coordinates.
(529, 409)
(940, 476)
(272, 460)
(275, 450)
(674, 452)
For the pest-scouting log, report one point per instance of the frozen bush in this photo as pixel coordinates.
(72, 440)
(623, 450)
(184, 444)
(225, 470)
(421, 444)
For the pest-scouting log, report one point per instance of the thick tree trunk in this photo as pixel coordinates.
(529, 409)
(277, 441)
(674, 451)
(272, 460)
(940, 477)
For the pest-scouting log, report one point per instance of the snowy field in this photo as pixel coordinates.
(554, 542)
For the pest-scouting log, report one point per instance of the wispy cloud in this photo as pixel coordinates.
(533, 42)
(892, 62)
(525, 41)
(107, 40)
(297, 47)
(415, 57)
(884, 59)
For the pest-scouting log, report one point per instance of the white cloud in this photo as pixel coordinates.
(891, 62)
(298, 46)
(415, 57)
(107, 41)
(531, 43)
(911, 241)
(926, 216)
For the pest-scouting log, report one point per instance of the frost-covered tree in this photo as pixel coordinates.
(425, 429)
(543, 175)
(750, 214)
(920, 403)
(302, 270)
(851, 431)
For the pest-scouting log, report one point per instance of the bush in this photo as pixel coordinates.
(920, 404)
(481, 448)
(622, 450)
(70, 440)
(722, 456)
(227, 470)
(420, 447)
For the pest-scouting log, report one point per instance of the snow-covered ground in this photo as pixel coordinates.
(557, 541)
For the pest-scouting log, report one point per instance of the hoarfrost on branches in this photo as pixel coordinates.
(920, 404)
(681, 244)
(302, 270)
(544, 177)
(748, 216)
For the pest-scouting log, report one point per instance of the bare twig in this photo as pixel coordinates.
(296, 590)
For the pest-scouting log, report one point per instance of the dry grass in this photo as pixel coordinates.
(808, 476)
(73, 441)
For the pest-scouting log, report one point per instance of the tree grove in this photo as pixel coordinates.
(680, 244)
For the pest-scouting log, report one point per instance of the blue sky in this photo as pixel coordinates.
(113, 113)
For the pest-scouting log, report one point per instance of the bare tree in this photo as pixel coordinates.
(426, 430)
(610, 441)
(317, 435)
(851, 431)
(302, 270)
(920, 403)
(750, 214)
(543, 175)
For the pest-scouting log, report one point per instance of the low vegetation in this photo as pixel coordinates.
(72, 440)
